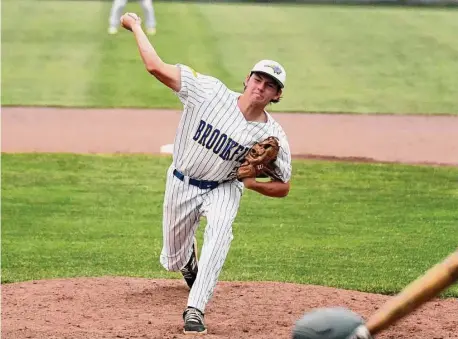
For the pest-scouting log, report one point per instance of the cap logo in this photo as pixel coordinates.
(275, 68)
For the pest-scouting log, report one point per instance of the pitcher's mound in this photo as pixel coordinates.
(112, 307)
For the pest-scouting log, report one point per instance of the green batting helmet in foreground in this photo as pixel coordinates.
(327, 323)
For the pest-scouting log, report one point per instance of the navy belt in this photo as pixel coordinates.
(202, 184)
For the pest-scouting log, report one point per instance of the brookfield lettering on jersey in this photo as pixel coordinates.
(220, 143)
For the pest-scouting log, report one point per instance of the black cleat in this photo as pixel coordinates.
(189, 272)
(193, 321)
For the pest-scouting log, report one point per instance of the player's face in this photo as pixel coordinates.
(262, 89)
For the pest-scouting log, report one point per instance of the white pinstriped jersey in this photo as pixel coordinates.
(213, 136)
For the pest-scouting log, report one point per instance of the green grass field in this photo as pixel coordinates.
(369, 227)
(353, 59)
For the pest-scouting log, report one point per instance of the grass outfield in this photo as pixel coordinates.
(354, 59)
(368, 227)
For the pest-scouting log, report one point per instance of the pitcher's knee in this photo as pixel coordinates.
(221, 238)
(169, 266)
(172, 264)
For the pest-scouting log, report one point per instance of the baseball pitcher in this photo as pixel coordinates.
(224, 141)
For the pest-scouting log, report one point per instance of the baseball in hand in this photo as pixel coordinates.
(129, 20)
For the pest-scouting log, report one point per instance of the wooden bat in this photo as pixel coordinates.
(434, 281)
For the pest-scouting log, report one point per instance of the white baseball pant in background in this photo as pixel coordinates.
(118, 7)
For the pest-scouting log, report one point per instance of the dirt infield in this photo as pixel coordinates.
(386, 138)
(141, 308)
(111, 307)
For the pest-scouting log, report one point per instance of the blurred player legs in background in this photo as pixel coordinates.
(117, 10)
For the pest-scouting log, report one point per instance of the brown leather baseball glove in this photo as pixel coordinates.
(259, 162)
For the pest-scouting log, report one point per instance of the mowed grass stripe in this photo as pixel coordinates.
(356, 59)
(183, 37)
(49, 57)
(368, 227)
(276, 32)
